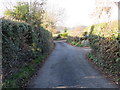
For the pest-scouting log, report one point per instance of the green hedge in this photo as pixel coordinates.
(104, 40)
(21, 43)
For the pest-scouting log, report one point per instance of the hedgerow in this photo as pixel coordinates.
(22, 43)
(105, 42)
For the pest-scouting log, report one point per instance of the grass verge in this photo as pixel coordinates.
(78, 44)
(22, 77)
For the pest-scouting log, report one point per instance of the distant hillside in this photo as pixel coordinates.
(60, 28)
(76, 31)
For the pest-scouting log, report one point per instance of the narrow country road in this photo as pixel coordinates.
(67, 67)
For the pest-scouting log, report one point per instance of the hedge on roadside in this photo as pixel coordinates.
(21, 43)
(104, 40)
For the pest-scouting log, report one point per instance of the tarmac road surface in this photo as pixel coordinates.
(68, 67)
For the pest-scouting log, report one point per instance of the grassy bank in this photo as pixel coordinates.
(21, 78)
(78, 41)
(78, 44)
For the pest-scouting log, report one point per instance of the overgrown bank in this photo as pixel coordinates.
(24, 46)
(81, 40)
(105, 41)
(78, 41)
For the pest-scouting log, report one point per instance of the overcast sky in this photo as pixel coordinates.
(76, 12)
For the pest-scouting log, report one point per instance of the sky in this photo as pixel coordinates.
(76, 12)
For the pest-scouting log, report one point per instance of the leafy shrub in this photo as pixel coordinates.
(21, 43)
(104, 42)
